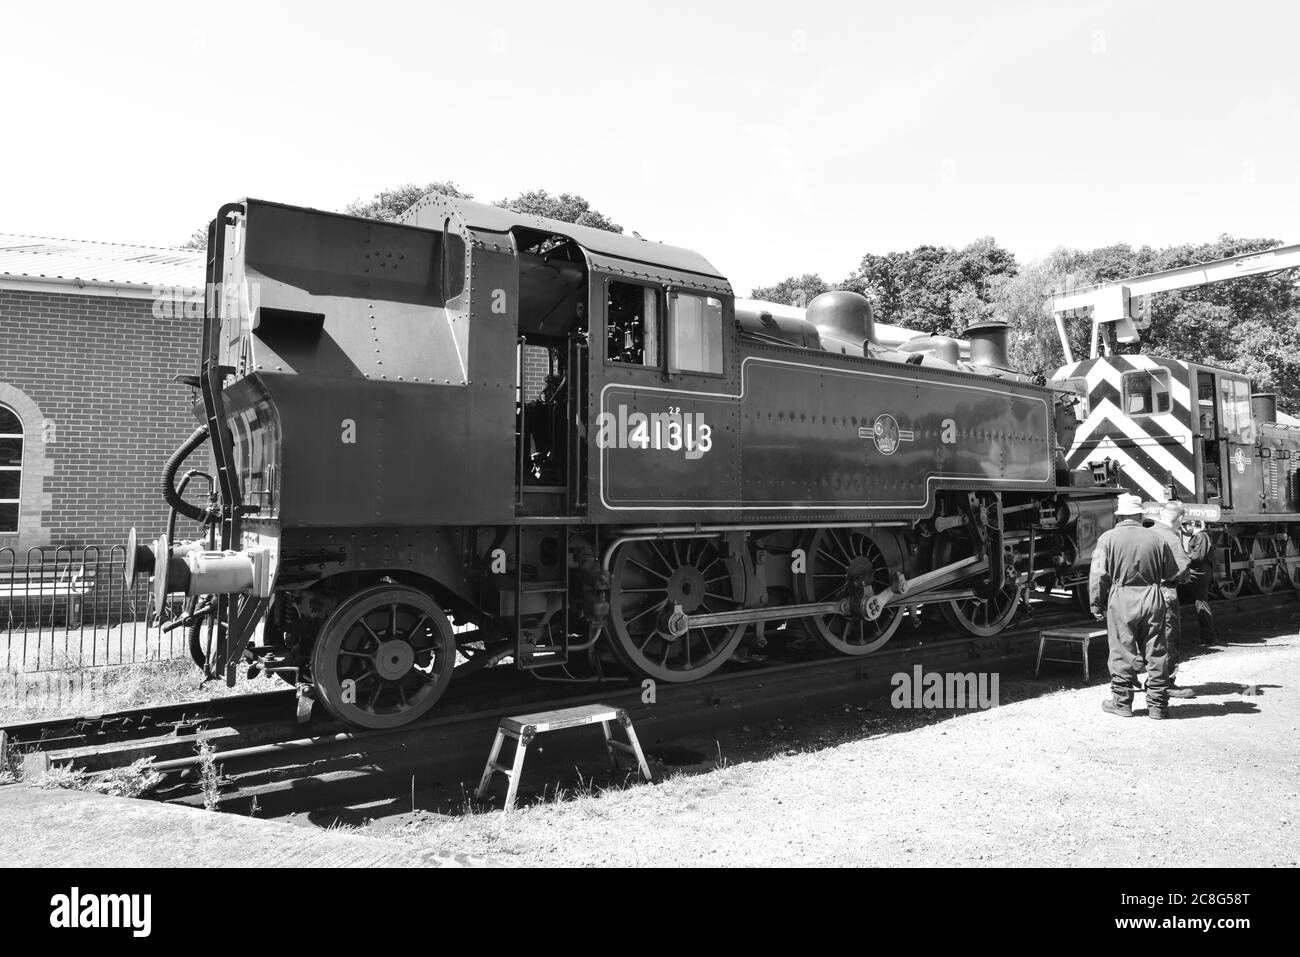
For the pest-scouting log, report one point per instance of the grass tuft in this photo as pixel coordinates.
(209, 776)
(73, 689)
(135, 780)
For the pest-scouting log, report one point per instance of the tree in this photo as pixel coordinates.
(198, 239)
(1197, 324)
(390, 204)
(567, 207)
(1248, 325)
(1269, 352)
(935, 289)
(793, 290)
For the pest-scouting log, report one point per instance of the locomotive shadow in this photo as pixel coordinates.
(571, 764)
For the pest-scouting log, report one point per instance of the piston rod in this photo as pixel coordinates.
(905, 592)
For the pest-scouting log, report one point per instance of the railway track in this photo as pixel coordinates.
(265, 755)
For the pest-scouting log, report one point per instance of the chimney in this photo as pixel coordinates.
(988, 344)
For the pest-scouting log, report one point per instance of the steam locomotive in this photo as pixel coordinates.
(698, 476)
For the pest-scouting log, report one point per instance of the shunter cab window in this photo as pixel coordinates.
(1079, 389)
(696, 324)
(1205, 405)
(1235, 396)
(1146, 393)
(632, 326)
(11, 467)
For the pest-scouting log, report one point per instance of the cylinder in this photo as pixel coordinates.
(1263, 405)
(989, 343)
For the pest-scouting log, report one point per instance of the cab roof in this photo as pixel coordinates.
(433, 208)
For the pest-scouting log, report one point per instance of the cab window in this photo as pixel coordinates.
(1235, 407)
(1079, 389)
(1146, 393)
(632, 324)
(695, 324)
(453, 262)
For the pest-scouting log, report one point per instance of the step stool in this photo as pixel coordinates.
(523, 728)
(1079, 636)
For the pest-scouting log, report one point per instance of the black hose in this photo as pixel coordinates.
(180, 493)
(194, 637)
(173, 498)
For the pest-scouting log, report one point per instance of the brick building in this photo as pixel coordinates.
(88, 410)
(91, 335)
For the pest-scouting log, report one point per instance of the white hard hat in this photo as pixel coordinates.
(1128, 504)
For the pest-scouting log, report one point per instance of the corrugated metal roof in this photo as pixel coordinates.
(39, 257)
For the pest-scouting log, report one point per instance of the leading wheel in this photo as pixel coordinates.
(834, 555)
(648, 579)
(383, 657)
(981, 616)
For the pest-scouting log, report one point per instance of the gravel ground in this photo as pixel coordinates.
(1046, 780)
(76, 829)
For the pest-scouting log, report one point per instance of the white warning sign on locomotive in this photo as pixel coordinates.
(670, 431)
(1192, 511)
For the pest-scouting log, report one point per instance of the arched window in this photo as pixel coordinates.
(11, 467)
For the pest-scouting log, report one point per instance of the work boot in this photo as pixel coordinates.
(1178, 691)
(1118, 707)
(1158, 711)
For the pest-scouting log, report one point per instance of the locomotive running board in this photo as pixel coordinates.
(917, 591)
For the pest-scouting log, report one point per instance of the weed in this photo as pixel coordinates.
(63, 776)
(11, 762)
(209, 776)
(720, 763)
(134, 780)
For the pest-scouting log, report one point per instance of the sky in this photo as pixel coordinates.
(776, 138)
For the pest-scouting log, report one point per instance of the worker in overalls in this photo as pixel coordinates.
(1130, 565)
(1167, 526)
(1200, 551)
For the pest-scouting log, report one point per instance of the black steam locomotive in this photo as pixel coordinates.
(695, 476)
